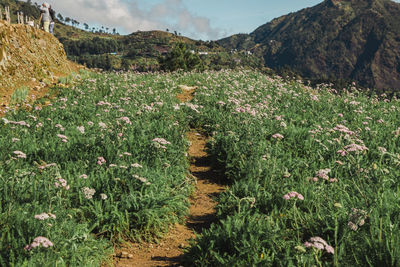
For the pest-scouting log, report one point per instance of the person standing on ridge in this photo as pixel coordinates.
(45, 16)
(53, 18)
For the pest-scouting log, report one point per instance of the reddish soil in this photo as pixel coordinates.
(169, 251)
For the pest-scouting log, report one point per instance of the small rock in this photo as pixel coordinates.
(124, 254)
(130, 256)
(33, 79)
(181, 245)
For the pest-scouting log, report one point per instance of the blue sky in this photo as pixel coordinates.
(198, 19)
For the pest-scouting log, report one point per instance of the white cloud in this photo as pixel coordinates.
(128, 16)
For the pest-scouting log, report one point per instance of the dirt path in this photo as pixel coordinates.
(169, 251)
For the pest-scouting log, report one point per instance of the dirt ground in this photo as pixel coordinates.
(169, 251)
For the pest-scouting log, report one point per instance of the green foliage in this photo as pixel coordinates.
(180, 58)
(94, 46)
(349, 197)
(19, 96)
(107, 158)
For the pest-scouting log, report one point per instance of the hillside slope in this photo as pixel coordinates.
(29, 55)
(335, 40)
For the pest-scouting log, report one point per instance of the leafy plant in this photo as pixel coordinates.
(19, 96)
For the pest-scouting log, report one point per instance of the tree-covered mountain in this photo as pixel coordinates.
(334, 40)
(104, 48)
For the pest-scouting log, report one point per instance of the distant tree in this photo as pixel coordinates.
(86, 26)
(175, 33)
(60, 17)
(67, 19)
(114, 31)
(180, 57)
(167, 30)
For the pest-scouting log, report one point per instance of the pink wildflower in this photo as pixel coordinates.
(126, 120)
(44, 216)
(20, 154)
(343, 129)
(277, 136)
(88, 192)
(320, 244)
(39, 241)
(323, 174)
(81, 129)
(63, 137)
(161, 141)
(101, 160)
(61, 183)
(293, 194)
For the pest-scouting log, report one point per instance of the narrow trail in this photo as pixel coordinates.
(169, 251)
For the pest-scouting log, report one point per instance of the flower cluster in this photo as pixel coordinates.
(44, 216)
(142, 179)
(343, 129)
(39, 241)
(21, 123)
(160, 143)
(101, 160)
(277, 136)
(352, 148)
(20, 154)
(293, 194)
(125, 119)
(89, 192)
(320, 244)
(323, 174)
(63, 138)
(136, 165)
(45, 166)
(356, 218)
(61, 183)
(81, 129)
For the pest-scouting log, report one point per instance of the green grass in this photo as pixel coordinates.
(348, 198)
(93, 160)
(19, 96)
(107, 158)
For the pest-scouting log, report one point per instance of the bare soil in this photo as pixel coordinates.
(169, 251)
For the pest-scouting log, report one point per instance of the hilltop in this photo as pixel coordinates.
(334, 40)
(141, 50)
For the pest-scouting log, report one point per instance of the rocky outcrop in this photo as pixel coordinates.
(27, 54)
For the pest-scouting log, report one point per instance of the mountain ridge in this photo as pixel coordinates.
(334, 40)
